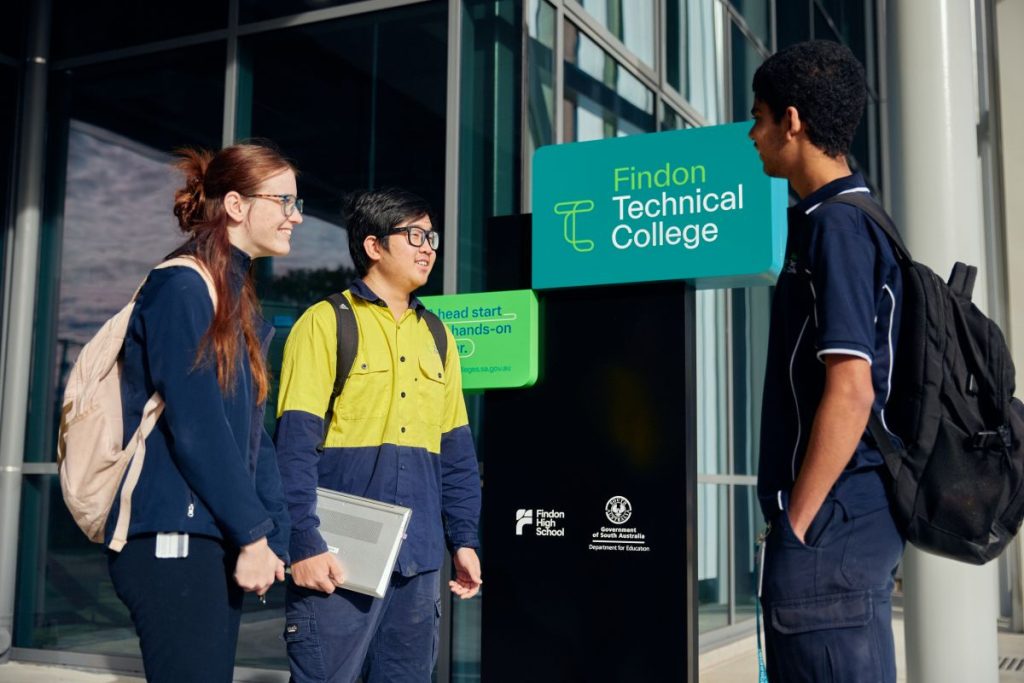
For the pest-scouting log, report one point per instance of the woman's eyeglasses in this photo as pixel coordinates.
(289, 202)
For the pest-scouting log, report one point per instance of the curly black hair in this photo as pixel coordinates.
(824, 82)
(376, 212)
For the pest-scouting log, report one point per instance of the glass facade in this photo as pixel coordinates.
(373, 94)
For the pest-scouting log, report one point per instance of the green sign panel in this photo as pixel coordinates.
(680, 205)
(496, 334)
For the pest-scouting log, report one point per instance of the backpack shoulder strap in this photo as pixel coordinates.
(438, 332)
(348, 344)
(188, 262)
(873, 209)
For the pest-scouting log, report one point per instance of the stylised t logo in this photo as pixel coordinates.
(523, 517)
(569, 210)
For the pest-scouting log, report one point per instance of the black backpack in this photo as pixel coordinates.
(348, 344)
(956, 484)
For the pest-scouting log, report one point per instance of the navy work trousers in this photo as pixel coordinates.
(185, 610)
(336, 638)
(827, 601)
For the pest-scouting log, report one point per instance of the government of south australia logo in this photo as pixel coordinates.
(569, 211)
(618, 510)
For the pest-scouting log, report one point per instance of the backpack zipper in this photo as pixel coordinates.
(191, 505)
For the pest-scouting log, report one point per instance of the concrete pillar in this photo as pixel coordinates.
(950, 609)
(1009, 26)
(18, 318)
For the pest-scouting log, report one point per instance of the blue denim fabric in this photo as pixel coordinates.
(827, 602)
(336, 638)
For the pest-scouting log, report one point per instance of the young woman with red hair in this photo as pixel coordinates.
(208, 518)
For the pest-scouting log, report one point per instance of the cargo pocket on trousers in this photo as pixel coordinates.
(822, 613)
(831, 637)
(304, 653)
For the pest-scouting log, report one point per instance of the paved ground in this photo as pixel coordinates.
(737, 663)
(734, 663)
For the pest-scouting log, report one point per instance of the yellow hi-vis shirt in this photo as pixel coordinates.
(399, 432)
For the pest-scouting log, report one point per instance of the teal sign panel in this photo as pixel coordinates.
(689, 205)
(496, 334)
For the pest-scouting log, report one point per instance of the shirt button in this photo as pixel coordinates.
(363, 366)
(402, 467)
(401, 358)
(439, 375)
(403, 430)
(403, 394)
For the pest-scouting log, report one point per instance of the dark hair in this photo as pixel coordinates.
(199, 208)
(825, 82)
(376, 212)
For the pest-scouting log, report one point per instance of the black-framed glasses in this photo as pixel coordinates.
(417, 236)
(289, 202)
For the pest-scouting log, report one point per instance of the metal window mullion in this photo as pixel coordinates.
(315, 16)
(741, 23)
(326, 14)
(231, 78)
(730, 541)
(559, 59)
(141, 50)
(451, 174)
(882, 46)
(525, 170)
(660, 48)
(735, 479)
(683, 106)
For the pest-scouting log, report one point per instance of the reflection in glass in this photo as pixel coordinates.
(747, 522)
(712, 382)
(757, 15)
(362, 111)
(793, 22)
(257, 10)
(83, 27)
(712, 556)
(631, 21)
(690, 54)
(745, 59)
(64, 596)
(110, 193)
(65, 600)
(670, 119)
(540, 103)
(602, 99)
(751, 309)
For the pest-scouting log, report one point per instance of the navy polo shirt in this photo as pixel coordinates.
(839, 293)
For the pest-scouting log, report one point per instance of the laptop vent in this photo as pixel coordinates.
(352, 527)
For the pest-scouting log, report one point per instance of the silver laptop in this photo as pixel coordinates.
(365, 534)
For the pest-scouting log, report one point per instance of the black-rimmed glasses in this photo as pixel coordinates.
(417, 236)
(289, 202)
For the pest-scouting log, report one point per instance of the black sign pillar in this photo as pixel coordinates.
(589, 506)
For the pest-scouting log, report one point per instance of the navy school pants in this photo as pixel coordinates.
(185, 610)
(336, 638)
(827, 601)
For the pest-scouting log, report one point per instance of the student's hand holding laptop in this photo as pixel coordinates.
(320, 572)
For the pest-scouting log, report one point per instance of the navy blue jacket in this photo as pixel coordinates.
(210, 466)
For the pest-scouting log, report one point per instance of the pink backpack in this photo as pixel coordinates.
(90, 459)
